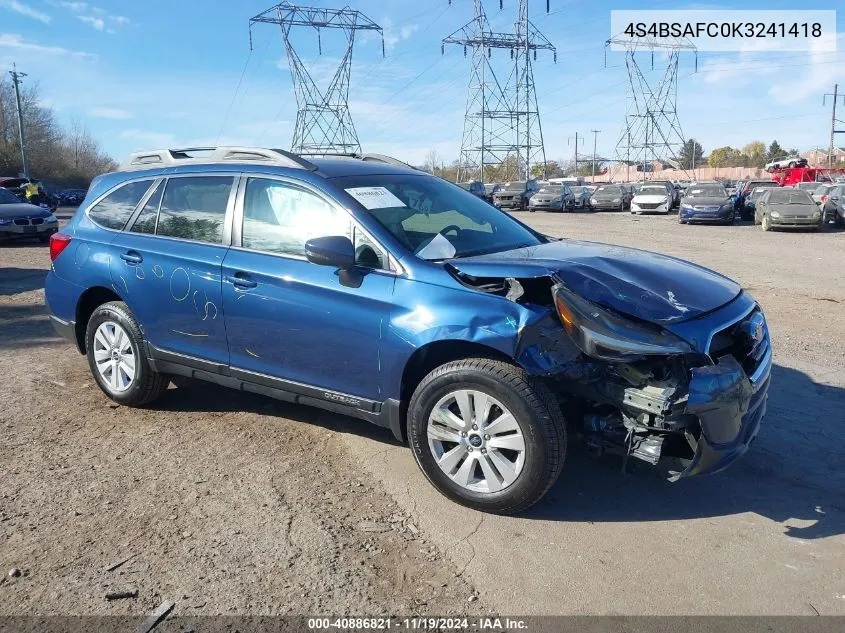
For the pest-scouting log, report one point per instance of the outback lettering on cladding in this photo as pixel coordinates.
(724, 29)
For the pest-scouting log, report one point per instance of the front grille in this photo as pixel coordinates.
(37, 221)
(21, 222)
(649, 205)
(747, 341)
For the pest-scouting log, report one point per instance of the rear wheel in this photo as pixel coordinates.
(117, 356)
(487, 435)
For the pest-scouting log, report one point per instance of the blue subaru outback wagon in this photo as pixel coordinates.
(369, 288)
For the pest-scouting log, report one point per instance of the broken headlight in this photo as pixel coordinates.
(601, 333)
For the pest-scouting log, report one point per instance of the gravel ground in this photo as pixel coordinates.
(234, 504)
(222, 502)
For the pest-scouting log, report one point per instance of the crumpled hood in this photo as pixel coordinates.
(652, 287)
(22, 210)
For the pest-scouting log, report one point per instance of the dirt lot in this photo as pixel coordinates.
(228, 503)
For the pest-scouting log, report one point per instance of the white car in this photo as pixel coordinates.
(651, 199)
(787, 162)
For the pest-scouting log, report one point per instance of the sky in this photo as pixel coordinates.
(153, 74)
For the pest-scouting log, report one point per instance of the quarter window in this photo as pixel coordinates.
(194, 208)
(115, 209)
(146, 220)
(280, 218)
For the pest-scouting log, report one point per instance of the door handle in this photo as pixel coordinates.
(241, 280)
(132, 257)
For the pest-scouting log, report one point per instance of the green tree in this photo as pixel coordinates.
(721, 157)
(775, 151)
(756, 153)
(691, 155)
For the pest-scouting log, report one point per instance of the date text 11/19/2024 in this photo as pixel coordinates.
(417, 624)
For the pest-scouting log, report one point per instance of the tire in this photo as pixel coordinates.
(145, 385)
(536, 421)
(766, 223)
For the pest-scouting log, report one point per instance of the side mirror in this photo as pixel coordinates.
(331, 250)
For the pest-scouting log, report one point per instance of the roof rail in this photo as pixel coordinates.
(228, 154)
(382, 158)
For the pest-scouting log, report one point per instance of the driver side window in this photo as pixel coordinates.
(280, 218)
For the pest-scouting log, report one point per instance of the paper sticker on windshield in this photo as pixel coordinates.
(375, 197)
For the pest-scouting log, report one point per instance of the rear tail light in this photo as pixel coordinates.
(58, 243)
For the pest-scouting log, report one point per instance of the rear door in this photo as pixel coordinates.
(289, 319)
(167, 264)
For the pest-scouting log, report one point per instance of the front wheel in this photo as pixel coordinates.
(118, 359)
(766, 223)
(487, 435)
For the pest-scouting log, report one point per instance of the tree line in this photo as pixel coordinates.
(61, 155)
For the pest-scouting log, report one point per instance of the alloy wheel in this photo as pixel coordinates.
(476, 441)
(114, 356)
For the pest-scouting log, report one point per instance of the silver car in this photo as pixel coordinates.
(21, 219)
(788, 208)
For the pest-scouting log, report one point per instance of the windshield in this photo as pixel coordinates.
(553, 189)
(609, 191)
(434, 219)
(790, 196)
(823, 189)
(652, 191)
(514, 186)
(754, 185)
(577, 190)
(709, 191)
(758, 192)
(7, 197)
(807, 186)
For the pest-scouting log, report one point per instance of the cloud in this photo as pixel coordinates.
(12, 40)
(25, 9)
(97, 23)
(76, 7)
(392, 36)
(145, 139)
(101, 112)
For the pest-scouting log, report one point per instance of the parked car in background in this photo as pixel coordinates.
(751, 201)
(786, 162)
(706, 203)
(375, 290)
(21, 219)
(71, 197)
(785, 207)
(809, 187)
(610, 198)
(833, 209)
(490, 190)
(672, 190)
(651, 198)
(475, 187)
(552, 197)
(820, 194)
(580, 197)
(515, 195)
(746, 212)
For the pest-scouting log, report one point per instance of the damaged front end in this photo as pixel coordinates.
(692, 392)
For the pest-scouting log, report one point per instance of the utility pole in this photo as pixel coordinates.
(833, 122)
(576, 152)
(16, 78)
(595, 140)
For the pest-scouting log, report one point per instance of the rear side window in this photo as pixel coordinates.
(115, 209)
(146, 220)
(194, 208)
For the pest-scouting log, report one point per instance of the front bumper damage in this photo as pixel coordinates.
(701, 416)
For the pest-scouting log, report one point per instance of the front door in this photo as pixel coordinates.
(167, 265)
(293, 320)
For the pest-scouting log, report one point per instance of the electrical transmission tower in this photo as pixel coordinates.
(323, 122)
(502, 120)
(652, 129)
